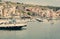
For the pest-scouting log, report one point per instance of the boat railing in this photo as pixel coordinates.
(7, 23)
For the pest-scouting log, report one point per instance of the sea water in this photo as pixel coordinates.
(34, 30)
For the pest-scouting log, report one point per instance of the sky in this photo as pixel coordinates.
(39, 2)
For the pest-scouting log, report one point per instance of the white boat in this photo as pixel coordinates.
(39, 20)
(12, 23)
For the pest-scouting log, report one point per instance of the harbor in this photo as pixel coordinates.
(19, 20)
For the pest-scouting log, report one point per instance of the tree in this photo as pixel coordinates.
(0, 0)
(29, 13)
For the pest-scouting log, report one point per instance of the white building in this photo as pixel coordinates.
(1, 10)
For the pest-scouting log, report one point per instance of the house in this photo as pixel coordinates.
(1, 9)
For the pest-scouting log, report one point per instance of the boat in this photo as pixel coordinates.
(12, 24)
(39, 20)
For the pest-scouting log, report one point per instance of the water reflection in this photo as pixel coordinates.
(13, 34)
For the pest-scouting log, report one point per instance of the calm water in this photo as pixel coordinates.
(34, 30)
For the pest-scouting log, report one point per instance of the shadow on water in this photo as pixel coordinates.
(12, 28)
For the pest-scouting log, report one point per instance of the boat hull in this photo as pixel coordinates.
(12, 27)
